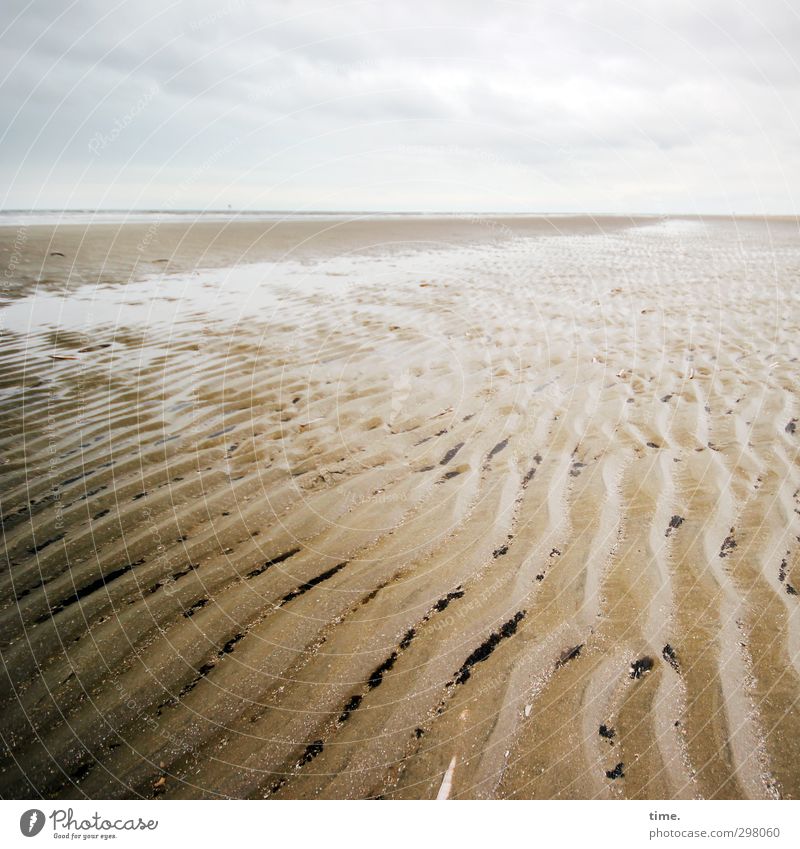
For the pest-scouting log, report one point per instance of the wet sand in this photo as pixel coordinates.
(333, 508)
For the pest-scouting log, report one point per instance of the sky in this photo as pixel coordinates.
(686, 106)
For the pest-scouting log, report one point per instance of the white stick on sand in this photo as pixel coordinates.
(447, 781)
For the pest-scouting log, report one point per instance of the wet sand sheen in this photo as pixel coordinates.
(525, 498)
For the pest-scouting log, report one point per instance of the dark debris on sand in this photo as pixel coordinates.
(497, 449)
(312, 750)
(668, 653)
(352, 705)
(728, 544)
(674, 523)
(444, 601)
(485, 649)
(450, 454)
(376, 678)
(641, 666)
(569, 654)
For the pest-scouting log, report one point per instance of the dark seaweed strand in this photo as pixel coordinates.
(485, 649)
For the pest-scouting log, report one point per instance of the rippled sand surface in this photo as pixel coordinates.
(514, 501)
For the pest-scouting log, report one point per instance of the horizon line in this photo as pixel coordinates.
(387, 212)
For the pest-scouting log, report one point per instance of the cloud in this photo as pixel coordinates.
(594, 106)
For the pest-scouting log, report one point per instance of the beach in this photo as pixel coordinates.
(400, 506)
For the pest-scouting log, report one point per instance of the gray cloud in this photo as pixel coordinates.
(597, 106)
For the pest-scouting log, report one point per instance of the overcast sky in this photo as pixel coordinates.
(595, 106)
